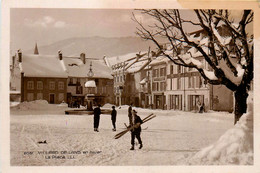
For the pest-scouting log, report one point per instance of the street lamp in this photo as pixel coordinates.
(90, 73)
(90, 85)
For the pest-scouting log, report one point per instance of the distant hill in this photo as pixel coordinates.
(96, 47)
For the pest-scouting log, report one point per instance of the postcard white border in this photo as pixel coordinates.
(119, 4)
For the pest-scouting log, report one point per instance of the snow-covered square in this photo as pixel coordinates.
(41, 134)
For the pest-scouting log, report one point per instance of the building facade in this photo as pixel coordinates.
(158, 82)
(42, 77)
(78, 75)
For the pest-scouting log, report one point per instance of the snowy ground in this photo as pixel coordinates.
(172, 138)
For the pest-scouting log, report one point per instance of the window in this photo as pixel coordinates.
(30, 85)
(171, 69)
(71, 81)
(79, 90)
(171, 85)
(78, 80)
(61, 97)
(178, 69)
(39, 85)
(198, 82)
(156, 86)
(52, 85)
(162, 86)
(117, 78)
(191, 82)
(179, 83)
(156, 73)
(121, 78)
(30, 97)
(61, 85)
(39, 96)
(104, 89)
(162, 71)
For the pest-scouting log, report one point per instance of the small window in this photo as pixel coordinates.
(30, 97)
(39, 96)
(179, 83)
(30, 85)
(39, 85)
(61, 85)
(52, 85)
(61, 97)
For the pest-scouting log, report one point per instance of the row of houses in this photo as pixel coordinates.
(145, 79)
(157, 83)
(60, 79)
(150, 80)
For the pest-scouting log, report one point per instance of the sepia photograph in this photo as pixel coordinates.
(131, 87)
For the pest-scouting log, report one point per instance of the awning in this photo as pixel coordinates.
(90, 84)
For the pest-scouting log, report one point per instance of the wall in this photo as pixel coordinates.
(45, 91)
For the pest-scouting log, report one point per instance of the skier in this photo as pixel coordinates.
(136, 132)
(130, 113)
(113, 117)
(97, 112)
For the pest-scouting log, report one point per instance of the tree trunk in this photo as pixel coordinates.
(240, 102)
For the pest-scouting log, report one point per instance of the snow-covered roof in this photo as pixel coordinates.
(121, 58)
(159, 60)
(137, 66)
(43, 66)
(77, 68)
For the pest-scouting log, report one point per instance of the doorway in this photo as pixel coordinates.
(52, 98)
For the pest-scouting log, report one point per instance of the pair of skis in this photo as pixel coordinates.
(149, 117)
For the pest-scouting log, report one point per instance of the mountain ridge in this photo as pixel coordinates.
(96, 46)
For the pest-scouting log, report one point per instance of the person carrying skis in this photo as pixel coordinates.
(97, 112)
(113, 117)
(136, 132)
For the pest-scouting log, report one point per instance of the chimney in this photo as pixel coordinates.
(19, 55)
(60, 54)
(83, 58)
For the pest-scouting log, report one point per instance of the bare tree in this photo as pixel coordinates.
(228, 49)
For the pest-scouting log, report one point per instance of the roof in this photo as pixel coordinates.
(76, 68)
(43, 66)
(121, 58)
(159, 60)
(138, 65)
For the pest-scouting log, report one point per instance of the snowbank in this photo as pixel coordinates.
(108, 105)
(37, 104)
(234, 147)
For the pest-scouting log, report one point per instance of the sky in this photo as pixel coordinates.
(46, 26)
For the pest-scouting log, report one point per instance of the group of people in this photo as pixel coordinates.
(97, 112)
(134, 121)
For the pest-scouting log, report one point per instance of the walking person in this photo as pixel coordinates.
(113, 117)
(136, 132)
(97, 112)
(130, 113)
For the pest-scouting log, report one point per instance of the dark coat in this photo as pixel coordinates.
(113, 114)
(97, 112)
(130, 111)
(137, 120)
